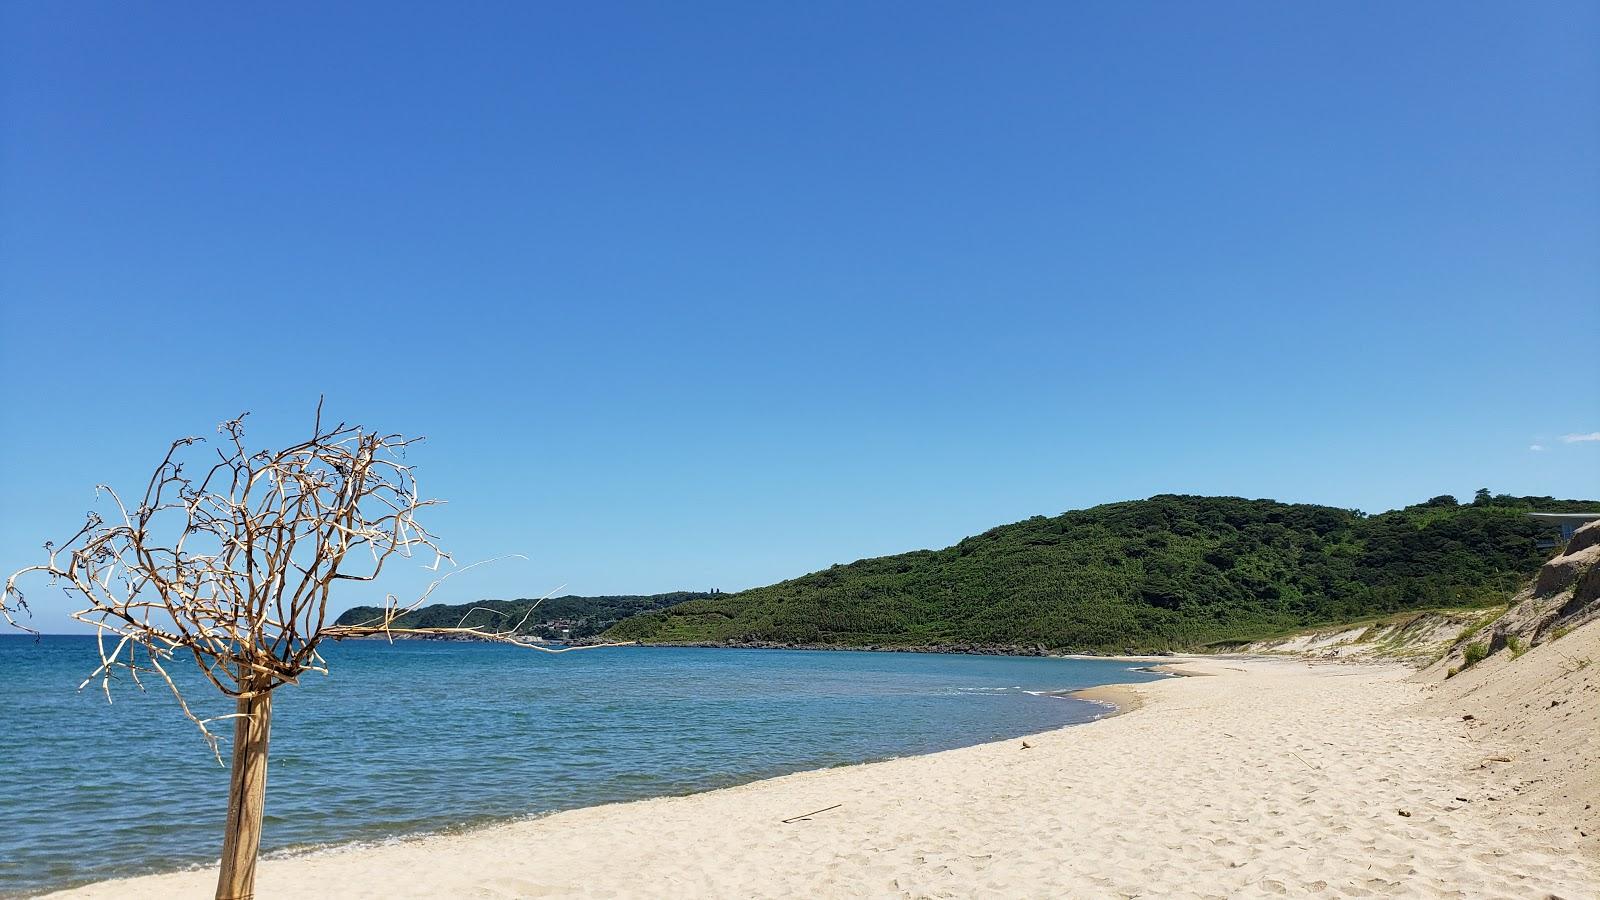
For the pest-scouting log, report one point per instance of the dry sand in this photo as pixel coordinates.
(1541, 713)
(1274, 777)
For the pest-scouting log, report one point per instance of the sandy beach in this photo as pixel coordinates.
(1261, 777)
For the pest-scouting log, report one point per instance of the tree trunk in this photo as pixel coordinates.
(247, 795)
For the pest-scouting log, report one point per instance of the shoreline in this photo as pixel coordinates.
(1121, 698)
(1118, 699)
(1035, 651)
(1271, 775)
(1102, 707)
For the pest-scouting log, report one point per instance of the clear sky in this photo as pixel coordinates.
(708, 295)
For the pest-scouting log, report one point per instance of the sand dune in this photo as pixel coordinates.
(1272, 778)
(1542, 712)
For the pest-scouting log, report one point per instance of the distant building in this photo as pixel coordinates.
(1569, 522)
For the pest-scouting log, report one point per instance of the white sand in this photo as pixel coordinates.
(1271, 778)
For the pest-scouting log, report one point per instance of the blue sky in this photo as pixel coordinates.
(709, 295)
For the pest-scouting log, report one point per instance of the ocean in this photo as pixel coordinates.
(421, 737)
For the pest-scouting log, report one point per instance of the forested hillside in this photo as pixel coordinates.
(1165, 573)
(555, 618)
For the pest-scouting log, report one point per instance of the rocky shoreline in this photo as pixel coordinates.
(965, 648)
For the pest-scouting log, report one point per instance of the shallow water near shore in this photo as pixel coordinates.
(421, 737)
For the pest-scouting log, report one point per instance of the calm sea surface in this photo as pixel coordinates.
(426, 736)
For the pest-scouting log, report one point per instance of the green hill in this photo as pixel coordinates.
(1169, 572)
(555, 618)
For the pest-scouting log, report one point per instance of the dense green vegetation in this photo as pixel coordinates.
(1165, 573)
(556, 618)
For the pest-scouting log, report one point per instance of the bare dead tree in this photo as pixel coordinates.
(233, 568)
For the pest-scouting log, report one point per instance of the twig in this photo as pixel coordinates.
(807, 816)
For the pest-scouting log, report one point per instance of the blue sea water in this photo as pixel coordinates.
(421, 736)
